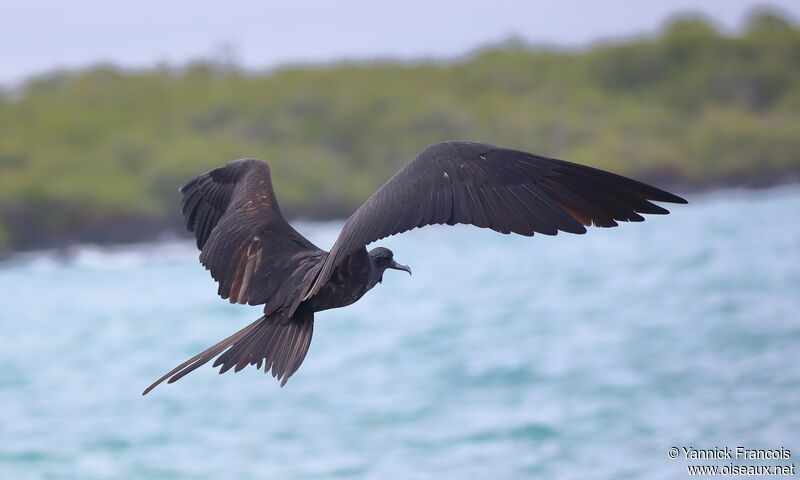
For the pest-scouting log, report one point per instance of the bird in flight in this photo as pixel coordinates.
(259, 259)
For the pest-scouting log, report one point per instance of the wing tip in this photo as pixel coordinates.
(666, 197)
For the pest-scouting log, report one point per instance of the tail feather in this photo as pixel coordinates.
(279, 345)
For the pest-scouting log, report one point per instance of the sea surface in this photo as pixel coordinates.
(503, 357)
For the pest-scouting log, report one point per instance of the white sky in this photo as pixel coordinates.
(38, 35)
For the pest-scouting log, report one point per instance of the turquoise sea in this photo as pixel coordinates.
(568, 357)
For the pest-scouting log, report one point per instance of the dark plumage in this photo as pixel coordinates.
(258, 258)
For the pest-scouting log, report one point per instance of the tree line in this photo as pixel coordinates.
(99, 153)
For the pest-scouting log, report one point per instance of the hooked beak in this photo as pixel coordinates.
(396, 266)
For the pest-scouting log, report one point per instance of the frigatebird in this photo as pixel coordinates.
(258, 258)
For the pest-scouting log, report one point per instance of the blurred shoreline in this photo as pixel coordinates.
(97, 155)
(126, 233)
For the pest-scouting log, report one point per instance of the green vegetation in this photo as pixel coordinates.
(90, 151)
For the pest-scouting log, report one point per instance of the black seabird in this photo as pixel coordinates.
(258, 258)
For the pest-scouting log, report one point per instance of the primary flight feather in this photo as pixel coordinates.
(257, 258)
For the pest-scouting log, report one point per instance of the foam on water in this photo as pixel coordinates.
(502, 357)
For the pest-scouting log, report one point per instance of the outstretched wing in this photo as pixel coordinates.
(491, 187)
(246, 244)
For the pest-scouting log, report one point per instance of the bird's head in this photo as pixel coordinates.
(383, 258)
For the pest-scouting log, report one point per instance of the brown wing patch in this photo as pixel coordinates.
(582, 218)
(248, 265)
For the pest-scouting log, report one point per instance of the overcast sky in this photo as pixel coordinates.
(38, 35)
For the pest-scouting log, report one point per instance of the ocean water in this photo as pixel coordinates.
(502, 357)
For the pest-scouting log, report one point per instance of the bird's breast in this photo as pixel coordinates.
(346, 286)
(336, 295)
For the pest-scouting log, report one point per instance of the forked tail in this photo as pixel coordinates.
(278, 343)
